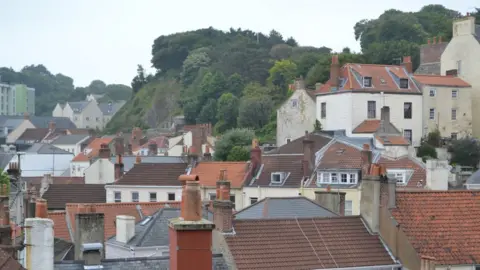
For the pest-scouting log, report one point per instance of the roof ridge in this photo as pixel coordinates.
(298, 218)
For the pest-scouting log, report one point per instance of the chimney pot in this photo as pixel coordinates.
(138, 159)
(255, 157)
(222, 206)
(428, 41)
(41, 209)
(193, 202)
(104, 151)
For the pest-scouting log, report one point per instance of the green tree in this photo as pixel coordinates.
(235, 84)
(465, 152)
(234, 137)
(239, 153)
(254, 89)
(426, 151)
(392, 52)
(5, 180)
(254, 112)
(195, 60)
(227, 112)
(208, 113)
(434, 138)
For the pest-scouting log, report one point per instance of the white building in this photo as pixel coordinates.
(71, 143)
(357, 92)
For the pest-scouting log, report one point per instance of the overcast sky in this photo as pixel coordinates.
(106, 39)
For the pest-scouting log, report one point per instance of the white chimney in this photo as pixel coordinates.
(125, 228)
(437, 174)
(39, 244)
(464, 26)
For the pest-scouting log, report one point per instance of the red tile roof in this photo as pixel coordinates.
(437, 80)
(95, 147)
(419, 176)
(441, 224)
(382, 79)
(110, 210)
(392, 140)
(208, 172)
(367, 126)
(307, 243)
(154, 174)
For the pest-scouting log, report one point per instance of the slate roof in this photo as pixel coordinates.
(441, 224)
(138, 210)
(340, 156)
(284, 207)
(385, 78)
(58, 195)
(37, 180)
(5, 159)
(63, 250)
(474, 179)
(289, 164)
(296, 146)
(153, 174)
(33, 134)
(430, 55)
(416, 175)
(7, 262)
(69, 139)
(44, 121)
(155, 232)
(305, 243)
(208, 173)
(78, 106)
(146, 263)
(47, 149)
(129, 161)
(437, 80)
(105, 108)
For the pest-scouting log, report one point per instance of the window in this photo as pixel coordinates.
(343, 178)
(333, 178)
(253, 200)
(353, 178)
(399, 175)
(454, 93)
(372, 109)
(454, 114)
(118, 196)
(232, 199)
(134, 196)
(407, 110)
(323, 113)
(171, 196)
(87, 118)
(97, 119)
(404, 83)
(153, 196)
(288, 140)
(367, 81)
(433, 92)
(276, 178)
(407, 134)
(212, 196)
(432, 114)
(294, 103)
(459, 67)
(348, 208)
(453, 136)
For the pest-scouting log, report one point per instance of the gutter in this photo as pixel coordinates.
(382, 267)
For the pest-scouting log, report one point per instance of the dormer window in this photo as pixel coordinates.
(399, 175)
(367, 81)
(404, 83)
(277, 177)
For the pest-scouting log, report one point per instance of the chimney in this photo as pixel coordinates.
(26, 116)
(222, 206)
(334, 71)
(407, 64)
(190, 234)
(308, 155)
(207, 156)
(152, 148)
(5, 228)
(437, 174)
(366, 158)
(39, 236)
(89, 235)
(51, 126)
(183, 180)
(41, 208)
(428, 41)
(464, 26)
(138, 159)
(370, 197)
(47, 180)
(104, 151)
(129, 149)
(119, 146)
(299, 83)
(255, 157)
(13, 169)
(332, 200)
(125, 228)
(119, 167)
(427, 263)
(434, 40)
(192, 156)
(385, 117)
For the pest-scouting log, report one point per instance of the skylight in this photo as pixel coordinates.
(146, 220)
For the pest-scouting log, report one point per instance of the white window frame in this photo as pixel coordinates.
(150, 197)
(399, 175)
(402, 80)
(408, 138)
(253, 200)
(454, 114)
(324, 177)
(431, 114)
(323, 110)
(119, 196)
(294, 103)
(212, 196)
(433, 92)
(280, 174)
(168, 196)
(342, 178)
(138, 196)
(365, 79)
(454, 93)
(348, 207)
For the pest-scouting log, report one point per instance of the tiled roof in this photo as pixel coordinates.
(33, 134)
(160, 141)
(95, 147)
(59, 195)
(37, 180)
(296, 146)
(367, 126)
(284, 207)
(78, 106)
(305, 243)
(437, 80)
(340, 156)
(289, 164)
(129, 161)
(154, 174)
(419, 175)
(44, 121)
(7, 262)
(441, 224)
(392, 140)
(46, 149)
(110, 210)
(208, 172)
(385, 78)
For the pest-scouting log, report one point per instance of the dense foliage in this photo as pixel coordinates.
(52, 88)
(238, 78)
(465, 152)
(234, 145)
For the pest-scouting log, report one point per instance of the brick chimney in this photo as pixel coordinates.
(334, 71)
(119, 146)
(308, 155)
(428, 41)
(207, 156)
(152, 148)
(104, 151)
(255, 157)
(192, 155)
(222, 206)
(407, 64)
(190, 234)
(51, 126)
(119, 168)
(332, 200)
(366, 158)
(89, 235)
(41, 209)
(370, 197)
(138, 159)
